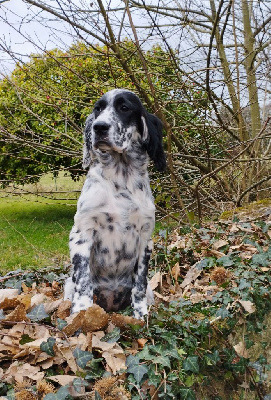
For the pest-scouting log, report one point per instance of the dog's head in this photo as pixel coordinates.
(118, 123)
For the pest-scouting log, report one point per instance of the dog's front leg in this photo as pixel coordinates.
(141, 293)
(80, 288)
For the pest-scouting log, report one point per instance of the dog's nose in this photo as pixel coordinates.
(101, 128)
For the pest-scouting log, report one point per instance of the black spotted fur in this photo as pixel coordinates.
(110, 242)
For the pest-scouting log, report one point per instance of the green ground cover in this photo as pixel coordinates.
(33, 234)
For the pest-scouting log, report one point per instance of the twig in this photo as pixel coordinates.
(238, 201)
(212, 173)
(12, 276)
(16, 230)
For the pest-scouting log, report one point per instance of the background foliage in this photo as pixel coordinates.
(202, 69)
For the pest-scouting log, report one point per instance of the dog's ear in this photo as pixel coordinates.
(152, 140)
(87, 148)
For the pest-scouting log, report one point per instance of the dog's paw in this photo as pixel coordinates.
(80, 303)
(140, 310)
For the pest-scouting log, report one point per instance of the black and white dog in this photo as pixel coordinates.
(110, 242)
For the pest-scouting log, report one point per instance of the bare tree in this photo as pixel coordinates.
(219, 151)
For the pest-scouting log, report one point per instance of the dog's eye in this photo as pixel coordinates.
(124, 108)
(98, 109)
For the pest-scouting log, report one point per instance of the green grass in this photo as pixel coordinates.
(35, 221)
(33, 234)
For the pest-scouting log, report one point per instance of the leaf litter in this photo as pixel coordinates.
(46, 353)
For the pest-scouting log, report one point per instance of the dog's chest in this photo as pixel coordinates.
(112, 207)
(119, 220)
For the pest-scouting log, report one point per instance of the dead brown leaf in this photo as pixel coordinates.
(62, 379)
(155, 280)
(176, 271)
(19, 314)
(75, 322)
(192, 274)
(64, 309)
(8, 294)
(95, 319)
(51, 306)
(111, 352)
(241, 350)
(66, 352)
(248, 306)
(122, 321)
(7, 303)
(219, 243)
(18, 372)
(141, 342)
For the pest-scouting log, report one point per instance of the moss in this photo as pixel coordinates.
(253, 207)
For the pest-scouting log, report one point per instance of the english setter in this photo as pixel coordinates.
(110, 242)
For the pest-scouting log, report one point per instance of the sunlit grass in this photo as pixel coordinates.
(33, 234)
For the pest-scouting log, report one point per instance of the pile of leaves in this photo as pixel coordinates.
(206, 336)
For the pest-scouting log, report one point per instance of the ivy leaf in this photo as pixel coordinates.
(144, 354)
(61, 323)
(112, 336)
(213, 358)
(78, 383)
(203, 263)
(240, 366)
(244, 284)
(95, 370)
(154, 378)
(138, 371)
(26, 339)
(187, 394)
(2, 315)
(222, 312)
(51, 276)
(61, 394)
(164, 361)
(38, 313)
(48, 346)
(191, 364)
(82, 357)
(97, 396)
(133, 360)
(260, 259)
(226, 261)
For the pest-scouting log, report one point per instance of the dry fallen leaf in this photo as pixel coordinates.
(8, 294)
(38, 298)
(115, 359)
(7, 303)
(248, 306)
(62, 379)
(111, 352)
(69, 357)
(155, 280)
(141, 342)
(219, 243)
(51, 306)
(17, 315)
(64, 309)
(191, 276)
(176, 271)
(241, 350)
(95, 319)
(19, 372)
(122, 321)
(75, 322)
